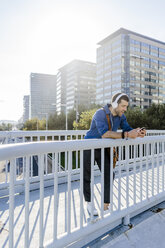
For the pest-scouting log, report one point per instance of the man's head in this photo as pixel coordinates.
(119, 103)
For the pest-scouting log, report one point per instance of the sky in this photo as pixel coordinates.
(40, 36)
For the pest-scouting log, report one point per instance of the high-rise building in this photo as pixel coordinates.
(76, 85)
(42, 95)
(131, 63)
(26, 108)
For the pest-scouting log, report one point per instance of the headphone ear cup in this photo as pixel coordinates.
(114, 105)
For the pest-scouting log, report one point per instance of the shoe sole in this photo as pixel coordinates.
(93, 214)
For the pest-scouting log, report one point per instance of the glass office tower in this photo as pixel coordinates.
(76, 85)
(42, 95)
(131, 63)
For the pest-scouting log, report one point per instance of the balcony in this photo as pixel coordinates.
(41, 186)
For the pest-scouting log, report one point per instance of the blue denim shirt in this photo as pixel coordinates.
(99, 124)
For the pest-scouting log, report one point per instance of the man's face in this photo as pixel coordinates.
(122, 108)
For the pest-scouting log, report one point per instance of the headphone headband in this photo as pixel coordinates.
(115, 103)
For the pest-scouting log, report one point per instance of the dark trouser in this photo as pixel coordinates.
(87, 173)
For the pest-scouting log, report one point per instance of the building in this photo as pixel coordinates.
(131, 63)
(76, 85)
(42, 95)
(26, 108)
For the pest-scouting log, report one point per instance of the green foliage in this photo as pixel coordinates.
(5, 127)
(85, 120)
(57, 122)
(155, 117)
(135, 117)
(151, 118)
(34, 124)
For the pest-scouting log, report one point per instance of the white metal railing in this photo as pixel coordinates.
(9, 137)
(138, 185)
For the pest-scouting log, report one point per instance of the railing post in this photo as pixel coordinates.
(92, 182)
(126, 220)
(27, 202)
(41, 175)
(81, 189)
(55, 166)
(11, 203)
(102, 182)
(69, 193)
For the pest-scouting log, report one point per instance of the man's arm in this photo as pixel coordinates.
(134, 133)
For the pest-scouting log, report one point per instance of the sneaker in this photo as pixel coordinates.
(107, 209)
(106, 206)
(89, 208)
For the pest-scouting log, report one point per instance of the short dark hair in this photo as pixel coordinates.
(124, 97)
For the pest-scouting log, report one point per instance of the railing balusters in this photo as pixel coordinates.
(102, 182)
(27, 202)
(6, 171)
(59, 156)
(134, 175)
(66, 157)
(147, 188)
(127, 175)
(55, 166)
(92, 182)
(31, 161)
(148, 153)
(81, 189)
(157, 167)
(41, 175)
(119, 178)
(152, 155)
(163, 170)
(141, 177)
(111, 179)
(11, 203)
(69, 192)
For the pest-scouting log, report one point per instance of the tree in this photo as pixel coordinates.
(6, 127)
(154, 117)
(34, 124)
(135, 117)
(56, 122)
(85, 120)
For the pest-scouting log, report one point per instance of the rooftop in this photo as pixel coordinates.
(126, 31)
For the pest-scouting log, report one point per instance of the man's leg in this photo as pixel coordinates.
(107, 166)
(87, 182)
(87, 175)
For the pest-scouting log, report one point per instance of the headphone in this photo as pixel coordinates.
(115, 103)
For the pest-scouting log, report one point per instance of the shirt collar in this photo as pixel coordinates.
(107, 111)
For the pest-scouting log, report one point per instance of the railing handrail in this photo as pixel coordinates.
(41, 132)
(10, 151)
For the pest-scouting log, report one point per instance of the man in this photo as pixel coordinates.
(100, 129)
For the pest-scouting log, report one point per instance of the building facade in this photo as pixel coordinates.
(26, 100)
(76, 85)
(131, 63)
(42, 95)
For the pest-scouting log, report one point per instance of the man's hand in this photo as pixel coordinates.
(142, 133)
(134, 133)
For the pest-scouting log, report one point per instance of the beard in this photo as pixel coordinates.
(119, 113)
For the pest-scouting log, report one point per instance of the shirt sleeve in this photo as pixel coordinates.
(124, 124)
(101, 122)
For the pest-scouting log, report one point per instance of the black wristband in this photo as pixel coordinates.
(122, 134)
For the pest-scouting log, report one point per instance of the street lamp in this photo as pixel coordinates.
(66, 120)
